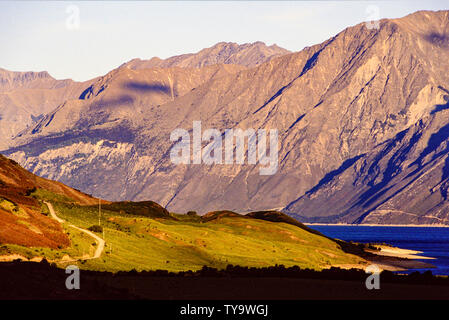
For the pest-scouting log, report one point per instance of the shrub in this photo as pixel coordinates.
(29, 192)
(95, 228)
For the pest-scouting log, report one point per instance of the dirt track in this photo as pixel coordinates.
(99, 240)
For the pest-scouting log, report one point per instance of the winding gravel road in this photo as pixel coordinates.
(99, 240)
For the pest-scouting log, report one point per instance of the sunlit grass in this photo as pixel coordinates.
(187, 243)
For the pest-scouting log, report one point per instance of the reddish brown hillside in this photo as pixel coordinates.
(21, 219)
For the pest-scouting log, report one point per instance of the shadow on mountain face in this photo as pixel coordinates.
(147, 87)
(86, 93)
(310, 63)
(331, 175)
(124, 99)
(324, 181)
(435, 141)
(393, 168)
(441, 107)
(437, 39)
(445, 180)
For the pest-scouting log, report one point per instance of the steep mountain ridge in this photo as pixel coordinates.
(336, 105)
(393, 183)
(26, 96)
(122, 94)
(248, 55)
(10, 80)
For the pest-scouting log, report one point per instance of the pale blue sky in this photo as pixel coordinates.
(35, 36)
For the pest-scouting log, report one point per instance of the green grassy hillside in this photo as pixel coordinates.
(144, 236)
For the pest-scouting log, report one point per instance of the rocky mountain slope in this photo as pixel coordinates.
(361, 121)
(26, 96)
(403, 179)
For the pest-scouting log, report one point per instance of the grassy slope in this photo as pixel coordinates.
(23, 217)
(186, 243)
(144, 236)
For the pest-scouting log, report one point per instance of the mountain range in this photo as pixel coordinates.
(361, 120)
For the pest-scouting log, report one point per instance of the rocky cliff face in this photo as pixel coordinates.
(361, 121)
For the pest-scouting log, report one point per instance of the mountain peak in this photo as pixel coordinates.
(248, 55)
(12, 79)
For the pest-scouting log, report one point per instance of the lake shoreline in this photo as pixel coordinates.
(395, 259)
(379, 225)
(399, 248)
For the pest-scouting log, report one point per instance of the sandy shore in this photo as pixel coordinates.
(398, 252)
(398, 259)
(392, 259)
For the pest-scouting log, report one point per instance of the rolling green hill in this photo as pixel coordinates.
(144, 235)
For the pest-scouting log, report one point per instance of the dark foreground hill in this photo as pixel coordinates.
(42, 281)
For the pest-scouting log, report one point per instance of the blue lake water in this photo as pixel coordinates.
(433, 242)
